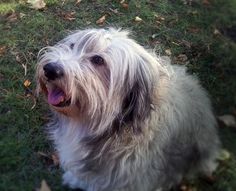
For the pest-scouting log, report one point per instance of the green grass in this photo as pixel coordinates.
(211, 56)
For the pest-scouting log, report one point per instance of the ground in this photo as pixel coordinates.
(200, 34)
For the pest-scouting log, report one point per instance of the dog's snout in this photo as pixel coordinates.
(53, 71)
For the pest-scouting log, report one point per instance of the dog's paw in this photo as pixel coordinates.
(72, 181)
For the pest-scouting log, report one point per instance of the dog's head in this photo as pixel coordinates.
(99, 76)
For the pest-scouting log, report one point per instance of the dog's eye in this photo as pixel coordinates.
(98, 60)
(72, 45)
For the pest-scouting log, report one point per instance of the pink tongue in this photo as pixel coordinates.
(56, 96)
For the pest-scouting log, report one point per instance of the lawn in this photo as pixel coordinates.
(200, 34)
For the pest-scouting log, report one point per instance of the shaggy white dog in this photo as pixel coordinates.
(124, 119)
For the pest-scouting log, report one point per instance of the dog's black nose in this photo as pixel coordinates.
(53, 71)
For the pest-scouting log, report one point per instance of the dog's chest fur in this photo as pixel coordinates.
(105, 159)
(66, 138)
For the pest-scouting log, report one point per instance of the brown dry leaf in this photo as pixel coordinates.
(27, 83)
(70, 16)
(206, 2)
(125, 5)
(181, 58)
(2, 50)
(138, 19)
(50, 159)
(159, 18)
(186, 43)
(12, 17)
(44, 186)
(193, 29)
(78, 2)
(114, 10)
(184, 187)
(101, 20)
(37, 4)
(55, 159)
(228, 120)
(21, 58)
(168, 52)
(216, 32)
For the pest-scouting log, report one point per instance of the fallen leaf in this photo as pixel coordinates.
(78, 2)
(216, 32)
(183, 187)
(193, 29)
(21, 58)
(122, 1)
(137, 19)
(101, 20)
(37, 4)
(12, 17)
(27, 83)
(49, 158)
(44, 186)
(2, 50)
(55, 159)
(114, 10)
(186, 43)
(158, 22)
(159, 18)
(168, 52)
(153, 42)
(228, 120)
(22, 15)
(125, 5)
(181, 59)
(70, 16)
(206, 2)
(223, 155)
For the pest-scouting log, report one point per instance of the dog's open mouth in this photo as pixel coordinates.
(56, 96)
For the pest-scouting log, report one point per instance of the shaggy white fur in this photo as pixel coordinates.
(124, 119)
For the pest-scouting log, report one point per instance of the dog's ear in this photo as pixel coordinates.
(136, 105)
